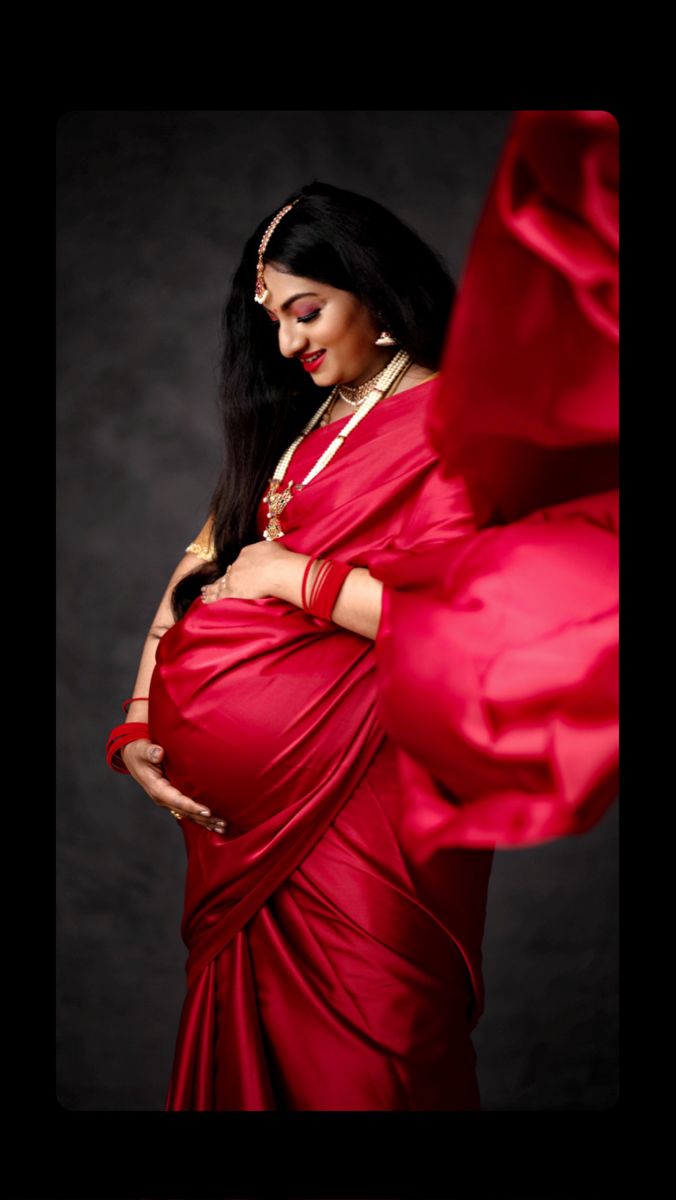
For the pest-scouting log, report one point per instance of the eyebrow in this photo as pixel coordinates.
(298, 296)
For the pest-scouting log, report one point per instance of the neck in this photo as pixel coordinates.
(379, 362)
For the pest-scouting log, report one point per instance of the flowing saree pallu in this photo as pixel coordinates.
(269, 716)
(499, 656)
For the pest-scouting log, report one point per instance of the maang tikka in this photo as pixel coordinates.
(261, 294)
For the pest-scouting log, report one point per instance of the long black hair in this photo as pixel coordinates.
(348, 241)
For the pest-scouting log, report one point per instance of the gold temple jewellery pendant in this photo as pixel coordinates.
(277, 502)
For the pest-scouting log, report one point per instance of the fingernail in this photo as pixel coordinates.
(204, 812)
(155, 753)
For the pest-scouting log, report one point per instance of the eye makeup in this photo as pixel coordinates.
(310, 317)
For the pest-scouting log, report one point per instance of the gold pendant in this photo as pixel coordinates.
(273, 530)
(277, 502)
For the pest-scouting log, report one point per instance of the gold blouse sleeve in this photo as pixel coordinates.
(203, 546)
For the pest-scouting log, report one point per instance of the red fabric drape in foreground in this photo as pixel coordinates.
(498, 655)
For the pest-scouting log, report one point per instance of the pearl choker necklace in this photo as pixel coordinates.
(354, 396)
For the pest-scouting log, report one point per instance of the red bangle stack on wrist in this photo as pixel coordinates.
(118, 737)
(121, 734)
(327, 583)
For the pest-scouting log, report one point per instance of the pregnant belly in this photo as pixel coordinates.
(255, 703)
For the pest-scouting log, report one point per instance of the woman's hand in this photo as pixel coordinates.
(253, 574)
(141, 758)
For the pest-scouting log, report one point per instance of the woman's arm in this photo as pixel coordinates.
(163, 620)
(142, 759)
(358, 604)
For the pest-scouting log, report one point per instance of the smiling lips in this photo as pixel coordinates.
(313, 362)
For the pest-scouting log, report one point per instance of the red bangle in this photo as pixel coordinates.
(303, 598)
(130, 701)
(328, 581)
(118, 737)
(331, 585)
(323, 571)
(323, 565)
(305, 603)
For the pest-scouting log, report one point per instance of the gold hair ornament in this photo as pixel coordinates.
(261, 294)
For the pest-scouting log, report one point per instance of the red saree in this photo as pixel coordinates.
(334, 932)
(324, 970)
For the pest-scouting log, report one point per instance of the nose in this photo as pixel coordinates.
(292, 342)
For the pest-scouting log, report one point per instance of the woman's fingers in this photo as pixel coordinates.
(168, 796)
(149, 773)
(165, 792)
(214, 591)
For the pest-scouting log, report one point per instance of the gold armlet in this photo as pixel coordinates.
(201, 551)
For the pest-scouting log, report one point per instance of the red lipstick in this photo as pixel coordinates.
(315, 363)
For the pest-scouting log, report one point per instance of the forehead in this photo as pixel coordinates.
(282, 287)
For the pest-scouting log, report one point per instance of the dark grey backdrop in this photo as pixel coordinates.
(152, 212)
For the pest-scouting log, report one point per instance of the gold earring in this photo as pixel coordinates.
(385, 339)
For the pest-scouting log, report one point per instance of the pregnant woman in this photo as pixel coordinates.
(340, 589)
(323, 972)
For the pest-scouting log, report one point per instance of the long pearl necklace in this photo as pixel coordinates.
(276, 500)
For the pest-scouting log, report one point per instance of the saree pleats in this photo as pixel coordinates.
(346, 991)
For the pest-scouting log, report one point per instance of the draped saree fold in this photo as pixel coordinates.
(325, 970)
(498, 656)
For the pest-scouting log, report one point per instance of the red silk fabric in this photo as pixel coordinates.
(498, 656)
(269, 715)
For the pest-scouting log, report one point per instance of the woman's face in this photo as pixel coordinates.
(311, 316)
